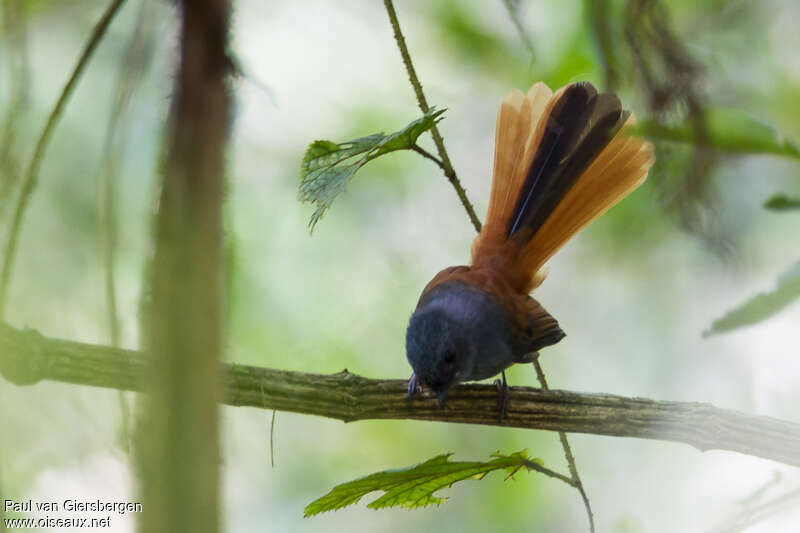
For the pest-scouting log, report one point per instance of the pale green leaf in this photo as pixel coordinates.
(414, 487)
(763, 305)
(730, 130)
(327, 166)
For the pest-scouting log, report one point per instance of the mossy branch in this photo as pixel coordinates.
(27, 357)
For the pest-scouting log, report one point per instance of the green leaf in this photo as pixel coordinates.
(414, 487)
(730, 130)
(763, 305)
(328, 166)
(781, 202)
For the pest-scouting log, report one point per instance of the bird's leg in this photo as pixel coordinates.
(502, 397)
(413, 386)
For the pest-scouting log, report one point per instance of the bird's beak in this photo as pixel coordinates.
(442, 397)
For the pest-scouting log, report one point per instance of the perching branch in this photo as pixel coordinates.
(27, 357)
(449, 171)
(32, 171)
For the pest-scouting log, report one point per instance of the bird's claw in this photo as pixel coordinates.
(414, 386)
(502, 397)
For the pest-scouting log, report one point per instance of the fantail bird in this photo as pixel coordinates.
(561, 160)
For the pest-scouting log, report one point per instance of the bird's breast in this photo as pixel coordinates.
(484, 326)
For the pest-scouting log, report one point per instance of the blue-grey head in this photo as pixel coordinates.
(457, 334)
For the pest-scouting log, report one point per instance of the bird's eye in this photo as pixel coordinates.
(449, 357)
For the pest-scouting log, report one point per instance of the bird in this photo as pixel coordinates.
(561, 160)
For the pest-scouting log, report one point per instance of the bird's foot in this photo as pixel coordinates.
(414, 386)
(503, 397)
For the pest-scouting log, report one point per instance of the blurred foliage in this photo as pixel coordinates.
(14, 26)
(672, 82)
(600, 16)
(782, 202)
(470, 42)
(475, 44)
(761, 306)
(323, 173)
(629, 226)
(730, 130)
(513, 8)
(414, 487)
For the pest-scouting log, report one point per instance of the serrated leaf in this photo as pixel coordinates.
(414, 487)
(781, 202)
(763, 305)
(327, 166)
(730, 130)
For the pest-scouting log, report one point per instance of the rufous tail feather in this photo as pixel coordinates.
(561, 160)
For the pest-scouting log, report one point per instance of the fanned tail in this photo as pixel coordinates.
(561, 160)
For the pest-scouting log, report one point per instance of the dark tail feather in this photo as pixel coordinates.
(580, 124)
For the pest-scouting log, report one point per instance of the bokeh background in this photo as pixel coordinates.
(634, 292)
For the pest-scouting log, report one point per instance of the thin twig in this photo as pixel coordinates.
(752, 498)
(449, 172)
(424, 153)
(562, 436)
(533, 465)
(29, 180)
(512, 6)
(752, 515)
(137, 55)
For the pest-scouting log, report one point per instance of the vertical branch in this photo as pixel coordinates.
(32, 171)
(573, 469)
(177, 438)
(449, 171)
